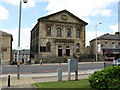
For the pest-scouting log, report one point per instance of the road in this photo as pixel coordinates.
(46, 68)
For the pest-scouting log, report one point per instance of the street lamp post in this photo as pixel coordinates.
(96, 41)
(18, 56)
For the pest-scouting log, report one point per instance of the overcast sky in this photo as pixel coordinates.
(91, 11)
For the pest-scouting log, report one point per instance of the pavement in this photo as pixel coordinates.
(28, 80)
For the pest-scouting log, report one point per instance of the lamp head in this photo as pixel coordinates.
(25, 1)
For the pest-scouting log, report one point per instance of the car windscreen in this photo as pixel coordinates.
(118, 60)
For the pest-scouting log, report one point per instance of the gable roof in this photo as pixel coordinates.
(107, 37)
(46, 17)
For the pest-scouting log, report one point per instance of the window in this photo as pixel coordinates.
(42, 49)
(78, 33)
(119, 45)
(48, 47)
(99, 47)
(68, 32)
(60, 51)
(77, 47)
(48, 31)
(59, 31)
(106, 45)
(67, 51)
(113, 44)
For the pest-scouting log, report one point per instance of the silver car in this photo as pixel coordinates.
(116, 62)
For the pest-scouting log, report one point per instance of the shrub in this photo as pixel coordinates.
(106, 78)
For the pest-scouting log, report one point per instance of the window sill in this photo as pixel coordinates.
(69, 36)
(59, 36)
(77, 37)
(49, 35)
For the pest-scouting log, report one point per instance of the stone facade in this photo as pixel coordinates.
(59, 35)
(5, 47)
(106, 41)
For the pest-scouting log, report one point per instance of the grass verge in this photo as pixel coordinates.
(82, 83)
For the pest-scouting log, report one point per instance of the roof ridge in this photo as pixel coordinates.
(108, 37)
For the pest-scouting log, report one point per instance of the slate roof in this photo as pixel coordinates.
(108, 37)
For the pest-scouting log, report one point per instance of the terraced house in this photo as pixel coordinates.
(107, 45)
(57, 36)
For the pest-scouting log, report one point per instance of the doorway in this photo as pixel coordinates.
(67, 51)
(60, 51)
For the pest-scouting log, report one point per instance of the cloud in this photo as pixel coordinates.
(30, 3)
(102, 12)
(114, 28)
(92, 35)
(106, 12)
(24, 37)
(82, 7)
(86, 19)
(3, 13)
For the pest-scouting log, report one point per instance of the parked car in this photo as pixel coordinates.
(116, 62)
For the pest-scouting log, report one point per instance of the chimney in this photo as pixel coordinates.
(106, 34)
(117, 33)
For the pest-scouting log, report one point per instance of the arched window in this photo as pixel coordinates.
(77, 47)
(48, 47)
(67, 51)
(78, 33)
(59, 31)
(68, 32)
(48, 32)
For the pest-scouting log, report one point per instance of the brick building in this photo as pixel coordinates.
(57, 36)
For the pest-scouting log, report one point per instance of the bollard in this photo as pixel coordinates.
(104, 64)
(8, 80)
(76, 75)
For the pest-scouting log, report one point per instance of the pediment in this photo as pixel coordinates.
(63, 16)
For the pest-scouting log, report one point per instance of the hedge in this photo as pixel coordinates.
(106, 78)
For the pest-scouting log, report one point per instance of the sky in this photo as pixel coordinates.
(91, 11)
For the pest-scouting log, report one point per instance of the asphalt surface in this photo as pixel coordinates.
(47, 68)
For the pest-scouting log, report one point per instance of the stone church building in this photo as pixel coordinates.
(57, 37)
